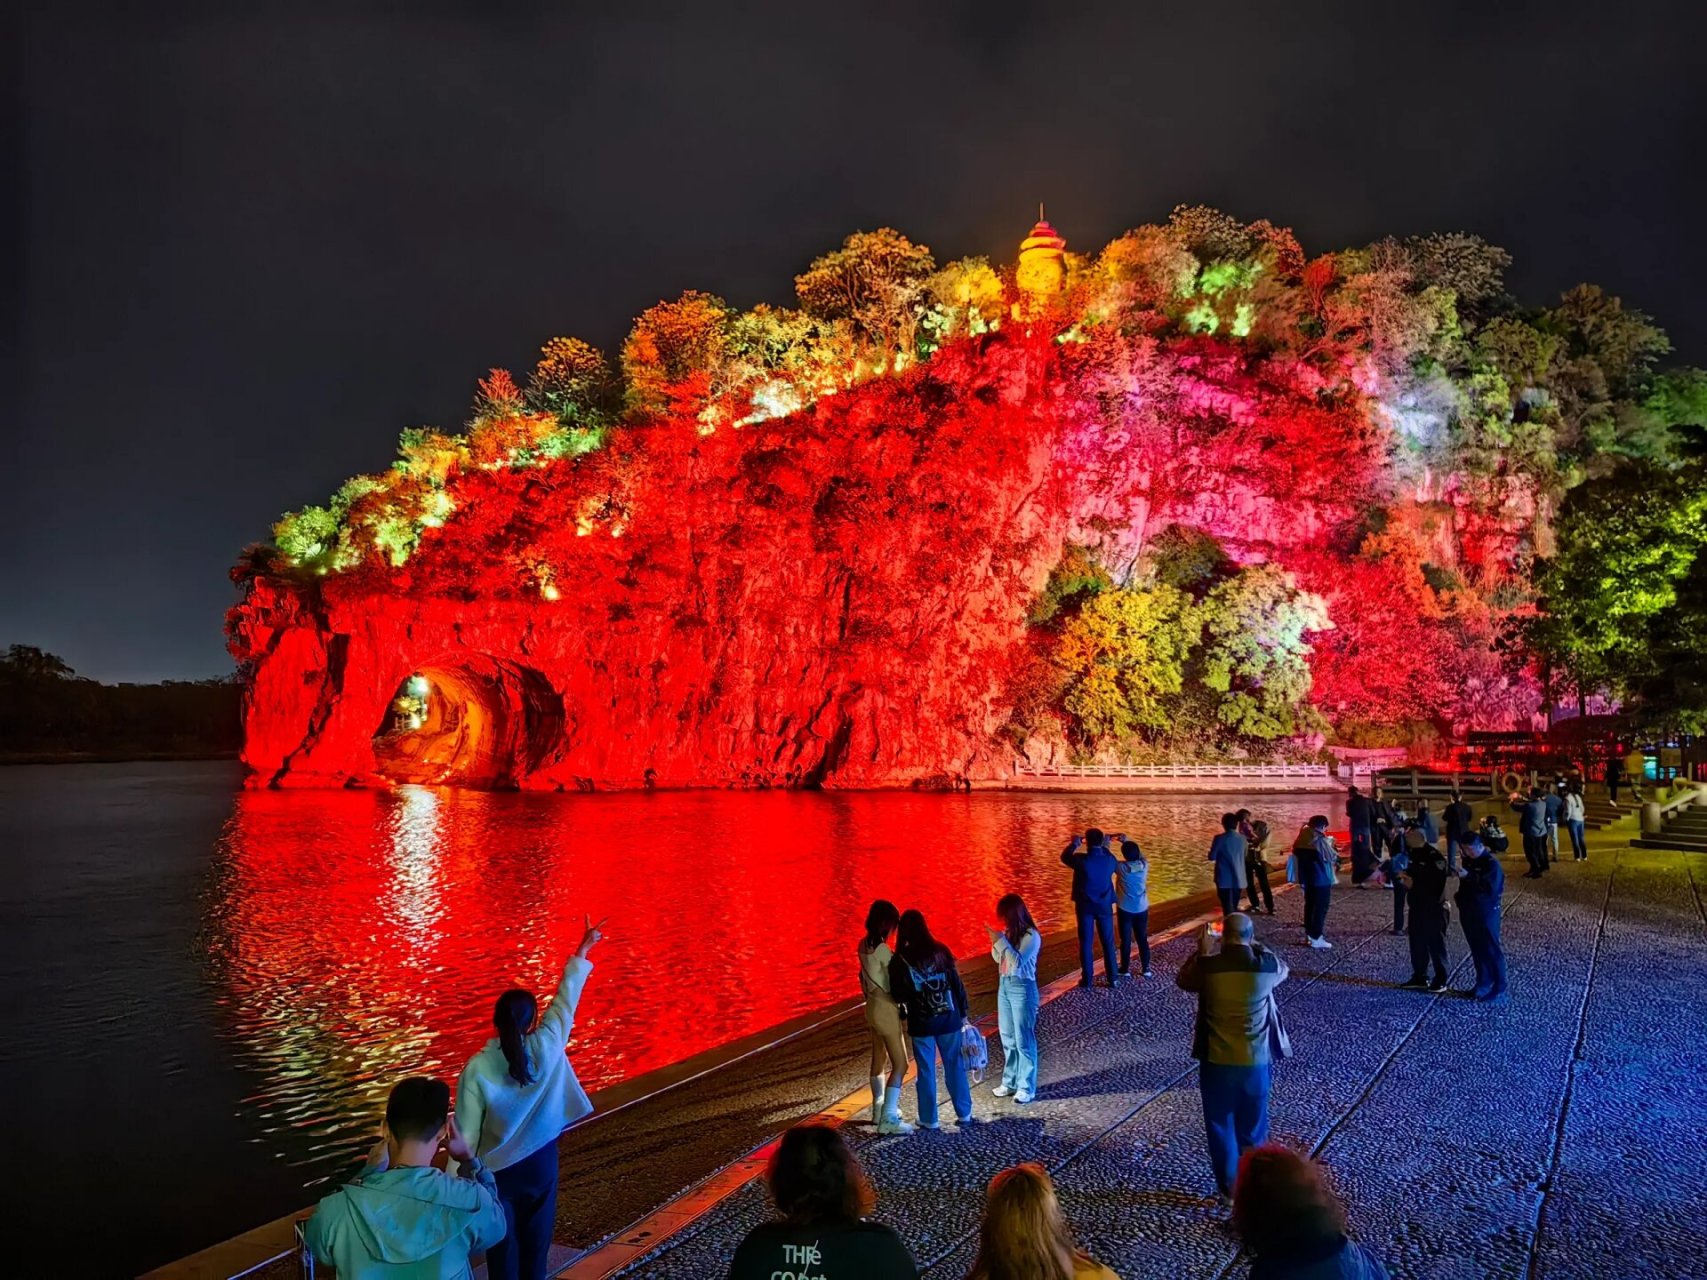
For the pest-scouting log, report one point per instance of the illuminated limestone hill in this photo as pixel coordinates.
(932, 520)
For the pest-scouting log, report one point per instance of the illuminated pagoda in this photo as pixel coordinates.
(1042, 259)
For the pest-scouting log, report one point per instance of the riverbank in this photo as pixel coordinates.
(1566, 1175)
(1469, 1140)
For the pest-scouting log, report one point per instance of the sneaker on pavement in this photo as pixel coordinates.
(1149, 973)
(1023, 1098)
(1414, 984)
(1001, 1091)
(896, 1126)
(963, 1121)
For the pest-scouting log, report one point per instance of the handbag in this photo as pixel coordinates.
(974, 1050)
(1291, 868)
(1279, 1043)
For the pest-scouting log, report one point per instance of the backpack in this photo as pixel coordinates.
(933, 995)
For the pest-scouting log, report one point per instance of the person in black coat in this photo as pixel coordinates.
(1093, 901)
(1425, 882)
(1460, 820)
(1481, 883)
(1361, 812)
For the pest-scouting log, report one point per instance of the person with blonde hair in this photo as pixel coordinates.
(1025, 1236)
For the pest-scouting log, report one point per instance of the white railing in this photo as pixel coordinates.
(1314, 772)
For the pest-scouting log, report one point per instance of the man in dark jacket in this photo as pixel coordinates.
(1460, 821)
(1227, 852)
(1093, 902)
(1481, 882)
(1425, 882)
(1554, 808)
(1532, 826)
(1360, 813)
(1237, 1038)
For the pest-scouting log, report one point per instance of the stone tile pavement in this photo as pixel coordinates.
(1558, 1136)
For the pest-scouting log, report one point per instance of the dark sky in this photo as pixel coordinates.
(247, 250)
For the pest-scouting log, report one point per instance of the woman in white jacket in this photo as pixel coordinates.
(515, 1099)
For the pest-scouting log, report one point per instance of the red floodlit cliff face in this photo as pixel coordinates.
(833, 598)
(825, 598)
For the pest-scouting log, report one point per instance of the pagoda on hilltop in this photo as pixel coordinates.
(1042, 260)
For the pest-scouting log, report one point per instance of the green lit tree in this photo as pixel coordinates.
(1125, 652)
(1255, 653)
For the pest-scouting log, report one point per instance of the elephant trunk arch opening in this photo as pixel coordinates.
(466, 721)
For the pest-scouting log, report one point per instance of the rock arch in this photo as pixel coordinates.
(483, 722)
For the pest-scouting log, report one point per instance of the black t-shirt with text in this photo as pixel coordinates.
(840, 1251)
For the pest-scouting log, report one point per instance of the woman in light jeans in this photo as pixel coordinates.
(1014, 948)
(1575, 817)
(926, 983)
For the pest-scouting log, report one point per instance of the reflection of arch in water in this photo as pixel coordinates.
(469, 720)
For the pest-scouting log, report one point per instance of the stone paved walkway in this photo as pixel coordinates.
(1558, 1136)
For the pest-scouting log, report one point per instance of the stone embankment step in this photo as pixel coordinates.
(1686, 830)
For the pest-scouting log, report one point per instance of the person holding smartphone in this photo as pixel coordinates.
(1236, 1039)
(1093, 901)
(400, 1218)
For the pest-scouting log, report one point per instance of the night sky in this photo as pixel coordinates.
(247, 251)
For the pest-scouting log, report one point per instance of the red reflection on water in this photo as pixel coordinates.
(356, 936)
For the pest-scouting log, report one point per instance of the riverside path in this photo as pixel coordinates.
(1557, 1136)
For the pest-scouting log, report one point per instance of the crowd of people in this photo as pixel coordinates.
(403, 1216)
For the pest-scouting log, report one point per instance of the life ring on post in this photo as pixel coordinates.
(1509, 781)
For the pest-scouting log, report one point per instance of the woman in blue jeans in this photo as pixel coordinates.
(514, 1100)
(926, 984)
(1014, 948)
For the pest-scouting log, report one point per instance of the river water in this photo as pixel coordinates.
(205, 992)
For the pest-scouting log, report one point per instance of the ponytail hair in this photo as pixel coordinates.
(513, 1017)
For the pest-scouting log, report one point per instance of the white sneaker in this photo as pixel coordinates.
(1023, 1098)
(932, 1125)
(1321, 944)
(1001, 1091)
(894, 1125)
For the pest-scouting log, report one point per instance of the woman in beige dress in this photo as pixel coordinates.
(888, 1040)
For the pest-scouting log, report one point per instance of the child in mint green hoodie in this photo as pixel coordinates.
(402, 1219)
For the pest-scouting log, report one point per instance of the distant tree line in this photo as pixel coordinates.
(48, 711)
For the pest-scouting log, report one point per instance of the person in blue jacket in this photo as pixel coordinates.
(1481, 882)
(1316, 860)
(1093, 901)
